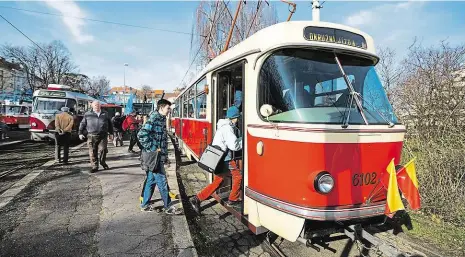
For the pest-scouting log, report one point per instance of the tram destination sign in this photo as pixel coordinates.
(52, 93)
(335, 36)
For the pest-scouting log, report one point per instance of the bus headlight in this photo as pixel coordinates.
(324, 183)
(34, 124)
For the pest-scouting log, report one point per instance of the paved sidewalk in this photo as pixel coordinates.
(66, 211)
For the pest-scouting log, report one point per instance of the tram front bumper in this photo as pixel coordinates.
(320, 214)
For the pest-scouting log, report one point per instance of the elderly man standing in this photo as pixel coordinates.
(99, 128)
(63, 125)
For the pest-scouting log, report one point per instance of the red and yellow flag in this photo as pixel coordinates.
(393, 200)
(408, 184)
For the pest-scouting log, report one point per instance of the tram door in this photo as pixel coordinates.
(230, 85)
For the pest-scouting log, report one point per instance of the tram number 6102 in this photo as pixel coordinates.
(364, 179)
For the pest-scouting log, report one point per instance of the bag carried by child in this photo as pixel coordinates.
(212, 159)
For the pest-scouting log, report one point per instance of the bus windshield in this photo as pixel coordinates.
(307, 86)
(52, 105)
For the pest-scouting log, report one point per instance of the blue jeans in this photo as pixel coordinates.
(159, 179)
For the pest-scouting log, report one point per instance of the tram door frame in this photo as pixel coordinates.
(220, 110)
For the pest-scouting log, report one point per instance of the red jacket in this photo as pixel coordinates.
(130, 123)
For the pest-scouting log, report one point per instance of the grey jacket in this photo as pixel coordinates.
(96, 124)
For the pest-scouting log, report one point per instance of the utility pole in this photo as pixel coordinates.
(124, 86)
(316, 10)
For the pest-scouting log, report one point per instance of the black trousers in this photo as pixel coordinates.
(133, 140)
(62, 143)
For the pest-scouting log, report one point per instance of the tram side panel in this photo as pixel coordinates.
(195, 135)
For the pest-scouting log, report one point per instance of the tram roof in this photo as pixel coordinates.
(66, 94)
(289, 33)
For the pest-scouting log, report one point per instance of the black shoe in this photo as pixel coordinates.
(93, 170)
(131, 151)
(65, 162)
(195, 203)
(105, 167)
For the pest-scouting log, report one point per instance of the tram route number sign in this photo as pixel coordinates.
(52, 93)
(335, 36)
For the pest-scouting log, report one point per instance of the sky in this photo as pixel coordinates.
(160, 59)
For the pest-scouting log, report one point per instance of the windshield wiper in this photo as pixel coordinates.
(390, 123)
(354, 95)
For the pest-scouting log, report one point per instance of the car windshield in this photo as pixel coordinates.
(307, 86)
(52, 105)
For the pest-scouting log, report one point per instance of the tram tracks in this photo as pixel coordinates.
(19, 160)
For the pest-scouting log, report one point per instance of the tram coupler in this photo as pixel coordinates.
(357, 232)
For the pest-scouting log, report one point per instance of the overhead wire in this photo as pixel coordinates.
(200, 48)
(103, 21)
(22, 33)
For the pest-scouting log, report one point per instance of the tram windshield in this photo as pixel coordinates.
(307, 86)
(52, 105)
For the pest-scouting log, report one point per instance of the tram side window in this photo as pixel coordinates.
(82, 107)
(201, 100)
(184, 109)
(202, 106)
(190, 109)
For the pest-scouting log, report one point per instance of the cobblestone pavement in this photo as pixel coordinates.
(217, 233)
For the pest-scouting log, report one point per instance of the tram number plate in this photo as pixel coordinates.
(363, 179)
(46, 117)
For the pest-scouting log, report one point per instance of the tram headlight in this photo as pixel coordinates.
(324, 183)
(34, 124)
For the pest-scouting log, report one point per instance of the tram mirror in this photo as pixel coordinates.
(267, 110)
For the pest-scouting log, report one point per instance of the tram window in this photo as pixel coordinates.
(201, 106)
(201, 85)
(307, 86)
(190, 110)
(184, 110)
(49, 105)
(82, 107)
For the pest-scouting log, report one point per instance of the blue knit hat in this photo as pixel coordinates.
(233, 112)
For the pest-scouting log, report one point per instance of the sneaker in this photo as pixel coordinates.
(148, 208)
(232, 203)
(105, 167)
(173, 210)
(93, 170)
(195, 203)
(131, 151)
(173, 195)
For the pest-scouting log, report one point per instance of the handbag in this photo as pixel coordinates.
(150, 160)
(212, 159)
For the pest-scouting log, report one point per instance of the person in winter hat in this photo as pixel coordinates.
(228, 138)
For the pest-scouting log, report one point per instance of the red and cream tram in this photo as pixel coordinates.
(48, 102)
(317, 126)
(15, 115)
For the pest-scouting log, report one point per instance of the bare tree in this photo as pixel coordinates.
(214, 20)
(98, 87)
(146, 92)
(431, 92)
(78, 82)
(44, 64)
(388, 70)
